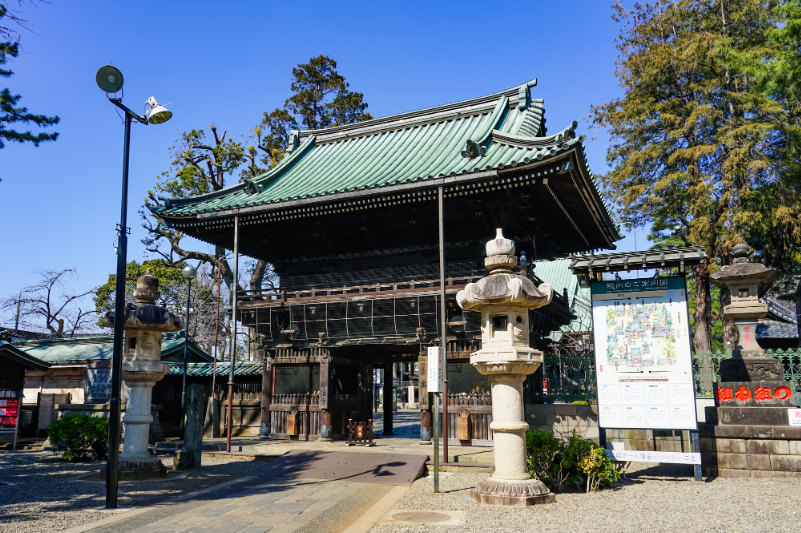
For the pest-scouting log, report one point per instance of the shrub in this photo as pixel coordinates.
(74, 434)
(562, 463)
(601, 471)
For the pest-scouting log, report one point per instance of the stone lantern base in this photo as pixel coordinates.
(512, 493)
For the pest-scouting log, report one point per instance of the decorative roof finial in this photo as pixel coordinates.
(147, 289)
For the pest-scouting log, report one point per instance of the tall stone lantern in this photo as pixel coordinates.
(504, 299)
(743, 279)
(141, 369)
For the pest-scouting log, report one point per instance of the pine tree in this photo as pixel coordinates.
(10, 113)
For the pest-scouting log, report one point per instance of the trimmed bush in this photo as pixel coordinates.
(571, 463)
(74, 434)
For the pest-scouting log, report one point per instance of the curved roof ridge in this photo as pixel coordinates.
(409, 117)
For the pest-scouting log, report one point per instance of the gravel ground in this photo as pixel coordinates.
(653, 498)
(46, 497)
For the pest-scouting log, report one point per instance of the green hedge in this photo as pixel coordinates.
(74, 434)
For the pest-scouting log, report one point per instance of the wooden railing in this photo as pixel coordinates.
(266, 299)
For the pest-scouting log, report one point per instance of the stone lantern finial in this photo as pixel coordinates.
(741, 253)
(147, 289)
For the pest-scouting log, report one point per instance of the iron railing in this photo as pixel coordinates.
(706, 367)
(571, 379)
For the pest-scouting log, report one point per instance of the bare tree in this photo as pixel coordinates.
(49, 304)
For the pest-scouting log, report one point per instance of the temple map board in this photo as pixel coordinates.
(643, 359)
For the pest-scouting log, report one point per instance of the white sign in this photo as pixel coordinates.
(436, 381)
(795, 416)
(654, 457)
(643, 359)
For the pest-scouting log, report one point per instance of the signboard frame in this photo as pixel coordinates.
(643, 288)
(15, 429)
(435, 380)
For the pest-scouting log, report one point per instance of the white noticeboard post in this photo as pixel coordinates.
(643, 359)
(795, 417)
(436, 381)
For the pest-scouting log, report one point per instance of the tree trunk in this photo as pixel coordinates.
(730, 334)
(257, 278)
(702, 340)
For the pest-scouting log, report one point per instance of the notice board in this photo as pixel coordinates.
(643, 359)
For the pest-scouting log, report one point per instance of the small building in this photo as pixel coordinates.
(78, 371)
(14, 365)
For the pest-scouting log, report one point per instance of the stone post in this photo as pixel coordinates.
(504, 300)
(141, 369)
(190, 456)
(266, 397)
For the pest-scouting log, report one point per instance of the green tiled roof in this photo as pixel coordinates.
(86, 349)
(557, 273)
(508, 129)
(243, 368)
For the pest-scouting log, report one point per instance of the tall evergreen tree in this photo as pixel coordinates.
(692, 143)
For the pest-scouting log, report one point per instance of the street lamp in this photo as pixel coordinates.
(189, 274)
(110, 80)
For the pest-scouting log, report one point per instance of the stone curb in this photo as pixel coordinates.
(365, 522)
(140, 510)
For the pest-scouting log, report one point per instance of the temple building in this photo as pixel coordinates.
(349, 219)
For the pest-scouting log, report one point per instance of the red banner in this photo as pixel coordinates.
(9, 402)
(8, 421)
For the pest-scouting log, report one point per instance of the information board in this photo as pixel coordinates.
(9, 411)
(643, 359)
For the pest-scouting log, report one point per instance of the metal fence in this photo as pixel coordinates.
(571, 377)
(706, 367)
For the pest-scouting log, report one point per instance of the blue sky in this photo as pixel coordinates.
(229, 62)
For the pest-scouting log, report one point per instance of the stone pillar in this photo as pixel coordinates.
(389, 398)
(141, 369)
(266, 397)
(504, 300)
(192, 452)
(326, 431)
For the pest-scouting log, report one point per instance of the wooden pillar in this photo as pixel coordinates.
(388, 398)
(364, 394)
(326, 401)
(266, 396)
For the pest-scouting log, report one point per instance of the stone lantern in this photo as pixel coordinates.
(504, 299)
(141, 369)
(743, 279)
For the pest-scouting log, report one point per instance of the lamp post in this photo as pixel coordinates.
(189, 273)
(110, 80)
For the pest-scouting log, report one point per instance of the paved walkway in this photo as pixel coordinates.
(405, 424)
(280, 506)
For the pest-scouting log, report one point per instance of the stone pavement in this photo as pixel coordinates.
(405, 424)
(280, 506)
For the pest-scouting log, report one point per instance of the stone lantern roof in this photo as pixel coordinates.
(742, 271)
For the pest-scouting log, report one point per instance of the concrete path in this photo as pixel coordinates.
(405, 424)
(280, 506)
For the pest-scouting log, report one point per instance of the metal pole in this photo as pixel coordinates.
(233, 337)
(115, 405)
(186, 352)
(216, 332)
(436, 443)
(444, 321)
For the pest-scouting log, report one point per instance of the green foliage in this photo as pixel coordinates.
(170, 280)
(700, 146)
(322, 97)
(558, 462)
(74, 434)
(599, 469)
(10, 113)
